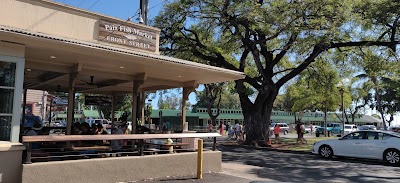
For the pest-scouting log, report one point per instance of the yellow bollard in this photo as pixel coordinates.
(200, 159)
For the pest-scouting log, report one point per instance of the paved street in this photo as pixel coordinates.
(289, 167)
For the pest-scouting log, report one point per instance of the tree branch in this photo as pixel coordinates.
(318, 49)
(289, 44)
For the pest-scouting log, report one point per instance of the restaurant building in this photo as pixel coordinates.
(49, 46)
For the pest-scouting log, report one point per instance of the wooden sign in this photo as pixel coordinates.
(128, 35)
(98, 100)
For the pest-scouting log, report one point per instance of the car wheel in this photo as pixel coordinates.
(325, 151)
(285, 132)
(392, 156)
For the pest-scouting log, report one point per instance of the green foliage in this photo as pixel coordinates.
(273, 41)
(229, 99)
(316, 88)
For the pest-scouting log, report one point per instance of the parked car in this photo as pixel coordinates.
(381, 145)
(367, 127)
(331, 128)
(349, 128)
(284, 127)
(308, 128)
(103, 122)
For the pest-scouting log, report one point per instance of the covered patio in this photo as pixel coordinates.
(54, 47)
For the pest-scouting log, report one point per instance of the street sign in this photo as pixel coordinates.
(98, 100)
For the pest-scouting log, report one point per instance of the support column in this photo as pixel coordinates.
(71, 102)
(142, 106)
(112, 113)
(136, 85)
(22, 129)
(185, 96)
(71, 96)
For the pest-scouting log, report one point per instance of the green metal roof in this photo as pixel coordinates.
(88, 114)
(279, 116)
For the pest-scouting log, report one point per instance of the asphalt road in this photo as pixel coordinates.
(290, 167)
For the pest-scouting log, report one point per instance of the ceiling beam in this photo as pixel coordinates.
(47, 66)
(46, 78)
(103, 85)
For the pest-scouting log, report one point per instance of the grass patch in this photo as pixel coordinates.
(290, 144)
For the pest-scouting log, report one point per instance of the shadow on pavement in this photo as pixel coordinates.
(289, 167)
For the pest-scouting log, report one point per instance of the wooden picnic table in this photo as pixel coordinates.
(28, 140)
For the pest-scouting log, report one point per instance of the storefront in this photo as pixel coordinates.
(11, 81)
(49, 46)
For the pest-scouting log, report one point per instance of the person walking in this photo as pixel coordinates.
(221, 129)
(227, 126)
(277, 129)
(300, 129)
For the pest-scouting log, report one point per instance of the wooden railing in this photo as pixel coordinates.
(28, 140)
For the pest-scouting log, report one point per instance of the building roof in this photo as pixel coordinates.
(278, 116)
(72, 40)
(87, 113)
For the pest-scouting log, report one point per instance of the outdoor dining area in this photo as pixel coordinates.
(61, 147)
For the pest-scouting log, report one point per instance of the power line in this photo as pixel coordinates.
(80, 3)
(93, 4)
(163, 2)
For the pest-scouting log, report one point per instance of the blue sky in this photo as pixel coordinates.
(123, 9)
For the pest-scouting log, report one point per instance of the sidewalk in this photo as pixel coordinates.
(231, 172)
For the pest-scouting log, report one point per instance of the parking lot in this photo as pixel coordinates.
(291, 167)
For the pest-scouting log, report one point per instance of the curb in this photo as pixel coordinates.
(268, 148)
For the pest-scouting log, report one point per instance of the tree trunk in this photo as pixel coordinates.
(325, 118)
(379, 106)
(213, 120)
(257, 115)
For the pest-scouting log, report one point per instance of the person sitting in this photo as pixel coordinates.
(85, 128)
(31, 119)
(118, 144)
(98, 129)
(33, 131)
(76, 129)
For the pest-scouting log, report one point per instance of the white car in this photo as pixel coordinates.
(349, 128)
(381, 145)
(308, 128)
(284, 127)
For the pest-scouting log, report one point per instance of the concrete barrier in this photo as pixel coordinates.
(120, 169)
(10, 162)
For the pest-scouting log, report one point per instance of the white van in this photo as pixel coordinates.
(349, 128)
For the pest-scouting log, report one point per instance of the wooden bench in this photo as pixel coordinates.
(28, 140)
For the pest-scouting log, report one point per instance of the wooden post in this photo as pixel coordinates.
(200, 159)
(28, 159)
(71, 101)
(112, 113)
(136, 85)
(142, 101)
(22, 129)
(214, 144)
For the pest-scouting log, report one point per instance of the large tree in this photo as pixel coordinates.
(272, 41)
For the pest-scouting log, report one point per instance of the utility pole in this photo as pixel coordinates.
(144, 8)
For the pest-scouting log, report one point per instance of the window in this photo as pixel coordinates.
(7, 87)
(356, 136)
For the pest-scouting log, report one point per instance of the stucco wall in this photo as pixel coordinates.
(118, 169)
(58, 19)
(10, 162)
